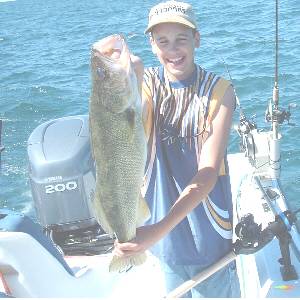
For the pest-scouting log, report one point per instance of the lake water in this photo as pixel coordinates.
(44, 70)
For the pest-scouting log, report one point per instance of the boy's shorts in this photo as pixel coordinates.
(222, 284)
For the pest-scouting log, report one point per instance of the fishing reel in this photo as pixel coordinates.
(247, 131)
(251, 238)
(245, 126)
(248, 232)
(275, 114)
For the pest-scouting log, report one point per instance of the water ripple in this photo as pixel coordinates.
(45, 72)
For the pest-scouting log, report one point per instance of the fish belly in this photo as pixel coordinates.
(119, 151)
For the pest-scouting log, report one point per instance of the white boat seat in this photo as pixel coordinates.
(32, 266)
(31, 271)
(16, 222)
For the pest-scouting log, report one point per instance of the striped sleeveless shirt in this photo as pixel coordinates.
(176, 117)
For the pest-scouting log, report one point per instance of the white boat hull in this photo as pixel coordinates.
(31, 271)
(259, 273)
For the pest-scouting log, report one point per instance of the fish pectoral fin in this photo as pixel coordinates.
(143, 211)
(100, 215)
(122, 264)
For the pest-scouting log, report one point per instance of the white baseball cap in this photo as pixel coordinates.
(171, 12)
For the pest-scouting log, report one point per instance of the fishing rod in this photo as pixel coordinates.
(274, 114)
(276, 88)
(251, 238)
(251, 143)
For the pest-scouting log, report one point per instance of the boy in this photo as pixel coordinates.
(187, 115)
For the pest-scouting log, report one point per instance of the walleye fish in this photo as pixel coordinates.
(118, 144)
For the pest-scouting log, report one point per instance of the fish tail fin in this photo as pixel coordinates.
(121, 264)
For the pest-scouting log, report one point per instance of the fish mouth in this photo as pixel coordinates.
(110, 48)
(113, 52)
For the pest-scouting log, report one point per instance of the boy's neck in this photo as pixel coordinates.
(184, 77)
(178, 82)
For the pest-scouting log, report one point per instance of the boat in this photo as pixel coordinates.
(66, 253)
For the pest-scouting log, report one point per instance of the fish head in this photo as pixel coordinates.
(113, 76)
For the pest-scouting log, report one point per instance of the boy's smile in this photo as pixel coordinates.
(174, 44)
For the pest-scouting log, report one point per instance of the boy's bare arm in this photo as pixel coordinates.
(212, 154)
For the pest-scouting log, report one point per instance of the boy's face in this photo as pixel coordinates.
(174, 44)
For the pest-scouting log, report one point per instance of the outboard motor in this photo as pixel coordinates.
(62, 178)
